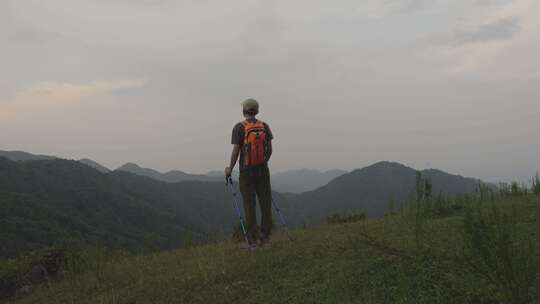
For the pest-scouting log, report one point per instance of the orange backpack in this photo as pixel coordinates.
(255, 144)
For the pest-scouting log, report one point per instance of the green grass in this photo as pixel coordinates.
(371, 261)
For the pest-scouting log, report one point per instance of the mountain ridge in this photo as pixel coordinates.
(370, 189)
(95, 165)
(45, 201)
(172, 176)
(293, 181)
(23, 156)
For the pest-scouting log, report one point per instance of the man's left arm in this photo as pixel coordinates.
(269, 151)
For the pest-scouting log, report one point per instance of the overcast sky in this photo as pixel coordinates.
(450, 84)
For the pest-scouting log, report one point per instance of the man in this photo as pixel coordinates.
(252, 142)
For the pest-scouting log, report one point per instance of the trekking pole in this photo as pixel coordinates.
(282, 219)
(229, 183)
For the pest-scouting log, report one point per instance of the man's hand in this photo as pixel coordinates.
(228, 171)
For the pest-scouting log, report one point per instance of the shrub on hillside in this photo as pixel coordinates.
(340, 219)
(9, 278)
(22, 274)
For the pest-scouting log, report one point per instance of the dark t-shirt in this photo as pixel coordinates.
(238, 139)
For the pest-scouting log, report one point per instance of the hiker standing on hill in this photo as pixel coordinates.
(252, 141)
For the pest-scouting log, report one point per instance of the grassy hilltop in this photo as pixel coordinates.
(481, 250)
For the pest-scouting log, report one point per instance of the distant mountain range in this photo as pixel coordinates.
(293, 181)
(298, 181)
(18, 156)
(23, 156)
(50, 200)
(173, 176)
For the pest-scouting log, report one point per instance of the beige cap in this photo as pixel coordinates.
(250, 104)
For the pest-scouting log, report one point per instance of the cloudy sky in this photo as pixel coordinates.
(451, 84)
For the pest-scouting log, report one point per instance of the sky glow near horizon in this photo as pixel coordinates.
(449, 84)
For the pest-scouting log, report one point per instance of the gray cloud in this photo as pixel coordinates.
(33, 36)
(359, 89)
(410, 6)
(491, 2)
(502, 29)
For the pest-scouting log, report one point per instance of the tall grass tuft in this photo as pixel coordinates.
(496, 253)
(422, 208)
(536, 184)
(516, 189)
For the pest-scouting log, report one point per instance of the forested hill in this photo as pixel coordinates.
(48, 201)
(43, 202)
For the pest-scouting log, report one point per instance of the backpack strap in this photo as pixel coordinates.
(247, 122)
(256, 126)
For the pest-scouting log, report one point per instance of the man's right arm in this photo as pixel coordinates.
(236, 140)
(234, 158)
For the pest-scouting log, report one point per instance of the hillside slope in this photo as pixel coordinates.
(375, 261)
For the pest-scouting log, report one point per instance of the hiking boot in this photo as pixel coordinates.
(248, 246)
(265, 243)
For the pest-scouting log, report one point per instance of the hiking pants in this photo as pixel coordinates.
(257, 184)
